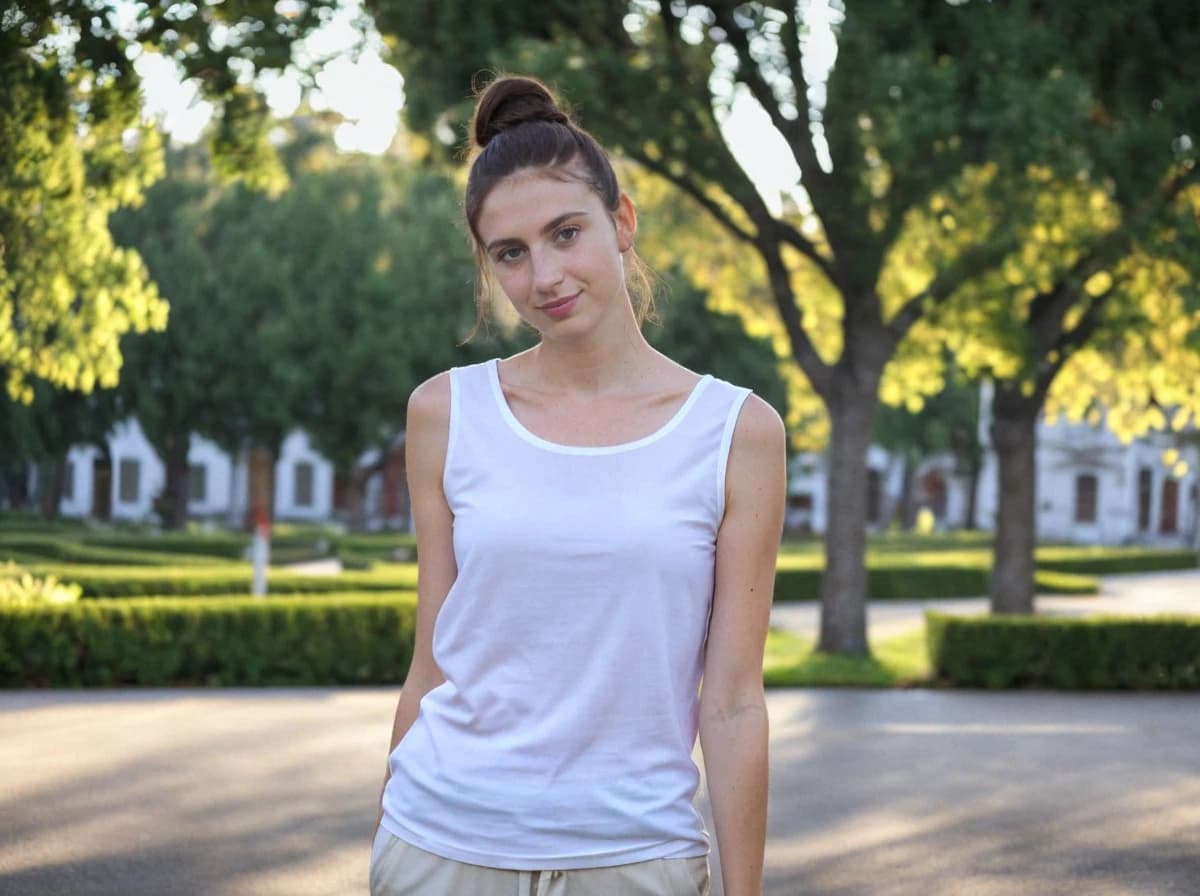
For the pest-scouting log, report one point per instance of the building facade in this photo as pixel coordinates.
(1091, 488)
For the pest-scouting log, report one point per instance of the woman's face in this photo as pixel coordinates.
(556, 250)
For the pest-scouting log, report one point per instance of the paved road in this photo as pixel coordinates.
(881, 793)
(1135, 595)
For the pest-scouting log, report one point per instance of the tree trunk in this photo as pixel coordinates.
(50, 478)
(356, 498)
(972, 495)
(1014, 428)
(176, 489)
(844, 582)
(906, 511)
(260, 487)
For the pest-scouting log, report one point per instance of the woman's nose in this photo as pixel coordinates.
(547, 271)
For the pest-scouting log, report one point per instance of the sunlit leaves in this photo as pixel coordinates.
(66, 292)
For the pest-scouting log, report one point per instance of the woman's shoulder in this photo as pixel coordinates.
(429, 403)
(432, 398)
(759, 430)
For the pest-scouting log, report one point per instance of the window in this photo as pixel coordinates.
(68, 481)
(1085, 498)
(198, 483)
(1145, 496)
(1168, 518)
(128, 474)
(302, 485)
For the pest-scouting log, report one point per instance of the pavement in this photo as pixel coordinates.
(1143, 594)
(272, 792)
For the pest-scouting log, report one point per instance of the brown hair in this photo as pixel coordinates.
(518, 124)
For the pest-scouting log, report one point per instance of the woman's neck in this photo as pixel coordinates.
(619, 361)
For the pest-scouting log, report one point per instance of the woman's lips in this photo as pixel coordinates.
(559, 308)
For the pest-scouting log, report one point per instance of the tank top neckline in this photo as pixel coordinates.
(493, 368)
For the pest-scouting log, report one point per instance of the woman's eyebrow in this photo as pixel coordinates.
(550, 226)
(555, 223)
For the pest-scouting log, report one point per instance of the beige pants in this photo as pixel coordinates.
(401, 869)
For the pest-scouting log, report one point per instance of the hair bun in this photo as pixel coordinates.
(510, 101)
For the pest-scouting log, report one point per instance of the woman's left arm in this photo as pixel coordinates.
(733, 710)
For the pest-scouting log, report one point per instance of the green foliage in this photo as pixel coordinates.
(320, 308)
(919, 578)
(20, 589)
(73, 148)
(1095, 654)
(230, 578)
(65, 550)
(1104, 561)
(338, 639)
(67, 293)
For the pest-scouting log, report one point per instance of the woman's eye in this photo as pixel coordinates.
(567, 234)
(512, 253)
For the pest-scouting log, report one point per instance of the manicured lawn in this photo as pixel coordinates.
(895, 662)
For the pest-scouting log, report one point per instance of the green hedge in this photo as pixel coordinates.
(66, 550)
(224, 546)
(1101, 653)
(134, 581)
(1097, 561)
(341, 639)
(904, 581)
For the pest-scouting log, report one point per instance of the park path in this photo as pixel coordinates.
(1141, 594)
(273, 792)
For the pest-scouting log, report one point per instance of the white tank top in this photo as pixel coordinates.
(572, 641)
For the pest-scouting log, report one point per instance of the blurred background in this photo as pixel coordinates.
(956, 244)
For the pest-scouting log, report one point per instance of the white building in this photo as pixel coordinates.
(936, 485)
(1090, 489)
(126, 487)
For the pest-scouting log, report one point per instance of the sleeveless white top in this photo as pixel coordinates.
(572, 641)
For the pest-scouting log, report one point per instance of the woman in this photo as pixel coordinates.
(597, 529)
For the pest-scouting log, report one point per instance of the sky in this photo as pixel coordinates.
(369, 94)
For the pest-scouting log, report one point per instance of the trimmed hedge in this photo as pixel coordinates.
(100, 581)
(66, 550)
(1097, 561)
(224, 546)
(341, 639)
(906, 581)
(1098, 653)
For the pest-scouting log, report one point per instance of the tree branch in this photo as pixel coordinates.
(816, 181)
(693, 190)
(748, 72)
(818, 372)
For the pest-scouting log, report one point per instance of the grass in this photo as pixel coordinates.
(899, 661)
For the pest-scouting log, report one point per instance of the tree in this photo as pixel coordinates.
(74, 148)
(927, 105)
(1096, 311)
(320, 308)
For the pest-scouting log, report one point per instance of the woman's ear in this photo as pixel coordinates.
(626, 221)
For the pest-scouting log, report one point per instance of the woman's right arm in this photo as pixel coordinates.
(425, 444)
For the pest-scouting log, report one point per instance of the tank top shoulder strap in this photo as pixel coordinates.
(707, 431)
(474, 409)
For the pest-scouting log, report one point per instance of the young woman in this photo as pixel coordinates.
(597, 529)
